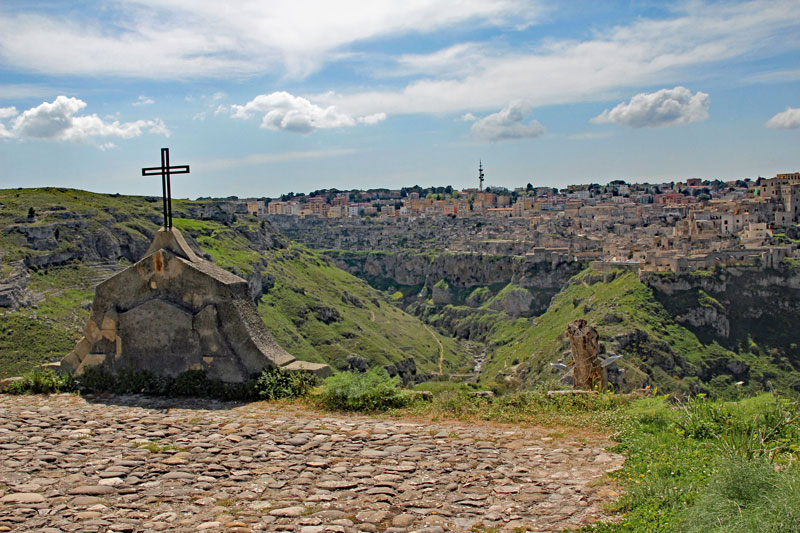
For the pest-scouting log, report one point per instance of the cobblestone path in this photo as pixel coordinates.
(129, 463)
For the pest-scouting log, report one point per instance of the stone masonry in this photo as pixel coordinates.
(171, 312)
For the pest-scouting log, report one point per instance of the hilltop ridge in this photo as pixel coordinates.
(57, 243)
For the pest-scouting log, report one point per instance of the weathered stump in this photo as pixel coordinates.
(588, 372)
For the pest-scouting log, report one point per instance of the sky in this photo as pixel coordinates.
(262, 98)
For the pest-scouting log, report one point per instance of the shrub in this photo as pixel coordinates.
(373, 390)
(276, 383)
(189, 383)
(43, 382)
(747, 495)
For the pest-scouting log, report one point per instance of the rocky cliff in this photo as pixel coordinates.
(736, 305)
(534, 280)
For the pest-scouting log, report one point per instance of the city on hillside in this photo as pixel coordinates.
(675, 226)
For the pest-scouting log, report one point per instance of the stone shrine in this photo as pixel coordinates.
(171, 312)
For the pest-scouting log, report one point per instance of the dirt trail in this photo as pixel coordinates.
(441, 348)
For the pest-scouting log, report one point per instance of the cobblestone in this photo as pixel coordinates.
(132, 463)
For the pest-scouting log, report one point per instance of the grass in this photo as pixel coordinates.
(667, 356)
(371, 391)
(678, 480)
(681, 472)
(28, 340)
(227, 246)
(367, 326)
(596, 412)
(308, 290)
(155, 447)
(31, 337)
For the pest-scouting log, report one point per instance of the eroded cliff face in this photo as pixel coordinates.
(459, 269)
(535, 279)
(735, 305)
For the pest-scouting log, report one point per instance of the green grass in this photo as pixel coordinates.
(28, 340)
(791, 262)
(706, 300)
(368, 326)
(370, 391)
(31, 337)
(94, 211)
(681, 472)
(155, 447)
(679, 480)
(228, 247)
(671, 357)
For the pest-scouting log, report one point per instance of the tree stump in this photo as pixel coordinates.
(588, 372)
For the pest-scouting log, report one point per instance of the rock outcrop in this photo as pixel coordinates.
(171, 312)
(14, 291)
(735, 305)
(587, 372)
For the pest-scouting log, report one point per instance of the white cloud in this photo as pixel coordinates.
(58, 121)
(282, 111)
(775, 76)
(373, 119)
(19, 91)
(468, 117)
(190, 38)
(507, 124)
(646, 52)
(143, 100)
(8, 112)
(787, 120)
(461, 59)
(667, 107)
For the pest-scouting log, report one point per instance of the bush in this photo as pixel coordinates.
(764, 426)
(373, 390)
(43, 382)
(189, 383)
(276, 383)
(747, 495)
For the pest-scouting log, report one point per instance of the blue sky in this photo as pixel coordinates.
(262, 98)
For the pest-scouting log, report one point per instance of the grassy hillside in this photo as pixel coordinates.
(316, 311)
(319, 312)
(656, 350)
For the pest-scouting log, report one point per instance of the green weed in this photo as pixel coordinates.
(276, 383)
(373, 390)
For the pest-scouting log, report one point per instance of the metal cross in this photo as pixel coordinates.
(165, 171)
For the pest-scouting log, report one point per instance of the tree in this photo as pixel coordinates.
(31, 212)
(529, 187)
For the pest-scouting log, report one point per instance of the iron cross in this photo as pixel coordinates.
(165, 171)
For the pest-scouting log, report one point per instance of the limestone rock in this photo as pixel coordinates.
(588, 373)
(171, 312)
(14, 291)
